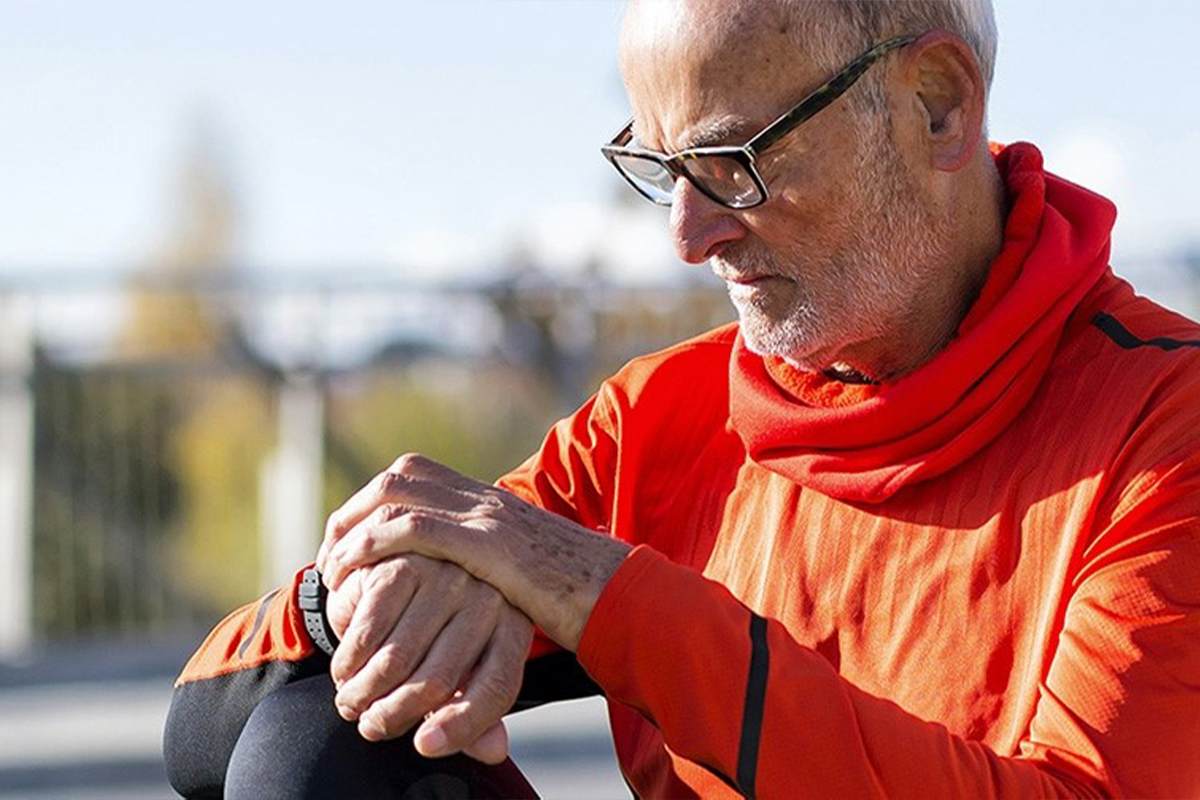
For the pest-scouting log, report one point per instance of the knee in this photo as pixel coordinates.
(197, 741)
(286, 745)
(296, 746)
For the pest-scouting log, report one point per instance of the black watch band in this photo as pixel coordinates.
(312, 605)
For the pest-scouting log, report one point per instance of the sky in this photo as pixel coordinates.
(428, 137)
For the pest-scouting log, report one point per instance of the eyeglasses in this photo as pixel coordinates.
(727, 175)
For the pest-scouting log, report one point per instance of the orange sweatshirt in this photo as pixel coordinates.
(980, 580)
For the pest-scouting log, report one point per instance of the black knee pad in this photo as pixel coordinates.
(296, 746)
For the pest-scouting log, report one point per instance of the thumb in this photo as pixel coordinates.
(491, 747)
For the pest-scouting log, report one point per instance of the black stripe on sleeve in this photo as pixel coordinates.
(1114, 330)
(752, 714)
(258, 621)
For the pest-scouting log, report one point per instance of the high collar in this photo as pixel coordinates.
(867, 443)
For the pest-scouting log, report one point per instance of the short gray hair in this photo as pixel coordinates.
(833, 31)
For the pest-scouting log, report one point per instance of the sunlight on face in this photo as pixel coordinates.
(824, 301)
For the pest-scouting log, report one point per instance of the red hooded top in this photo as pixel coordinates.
(982, 579)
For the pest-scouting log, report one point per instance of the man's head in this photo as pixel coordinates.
(882, 207)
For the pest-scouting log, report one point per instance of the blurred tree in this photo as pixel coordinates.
(481, 419)
(183, 314)
(103, 502)
(147, 482)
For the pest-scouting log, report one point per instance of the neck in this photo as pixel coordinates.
(975, 215)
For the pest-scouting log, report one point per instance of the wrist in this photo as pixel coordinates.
(604, 558)
(312, 596)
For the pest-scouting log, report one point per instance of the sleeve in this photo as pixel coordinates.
(1118, 713)
(574, 472)
(251, 653)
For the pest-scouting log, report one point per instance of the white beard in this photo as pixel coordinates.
(866, 291)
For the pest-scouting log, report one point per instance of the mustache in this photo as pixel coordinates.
(744, 267)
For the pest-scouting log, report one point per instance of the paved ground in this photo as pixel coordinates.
(65, 737)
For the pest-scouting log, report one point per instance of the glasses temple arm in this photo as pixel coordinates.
(824, 95)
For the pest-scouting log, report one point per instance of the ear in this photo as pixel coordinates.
(952, 96)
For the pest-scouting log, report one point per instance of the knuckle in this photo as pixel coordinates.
(381, 576)
(392, 481)
(438, 687)
(406, 462)
(415, 524)
(336, 525)
(490, 599)
(364, 542)
(516, 628)
(402, 568)
(388, 724)
(455, 583)
(387, 512)
(359, 638)
(386, 575)
(393, 662)
(497, 694)
(485, 602)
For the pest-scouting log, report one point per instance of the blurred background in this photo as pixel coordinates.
(250, 252)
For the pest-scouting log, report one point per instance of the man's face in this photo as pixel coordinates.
(832, 265)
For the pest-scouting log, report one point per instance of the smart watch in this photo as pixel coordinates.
(312, 605)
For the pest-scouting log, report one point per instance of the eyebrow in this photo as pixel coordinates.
(717, 132)
(711, 134)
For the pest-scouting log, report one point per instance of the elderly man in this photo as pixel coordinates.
(925, 522)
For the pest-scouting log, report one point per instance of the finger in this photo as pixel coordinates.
(456, 649)
(384, 487)
(400, 484)
(392, 530)
(340, 605)
(420, 466)
(488, 694)
(405, 648)
(378, 525)
(387, 590)
(343, 519)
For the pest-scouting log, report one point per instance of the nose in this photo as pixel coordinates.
(700, 227)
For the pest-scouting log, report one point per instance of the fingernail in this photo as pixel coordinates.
(347, 713)
(433, 741)
(369, 729)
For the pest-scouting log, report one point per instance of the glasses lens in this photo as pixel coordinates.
(651, 178)
(725, 178)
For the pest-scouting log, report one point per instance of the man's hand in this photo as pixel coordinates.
(544, 564)
(422, 638)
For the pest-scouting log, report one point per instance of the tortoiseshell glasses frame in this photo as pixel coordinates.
(727, 174)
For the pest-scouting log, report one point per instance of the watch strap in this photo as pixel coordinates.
(312, 605)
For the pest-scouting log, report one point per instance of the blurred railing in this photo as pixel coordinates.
(169, 446)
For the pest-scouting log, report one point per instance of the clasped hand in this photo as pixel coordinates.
(434, 580)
